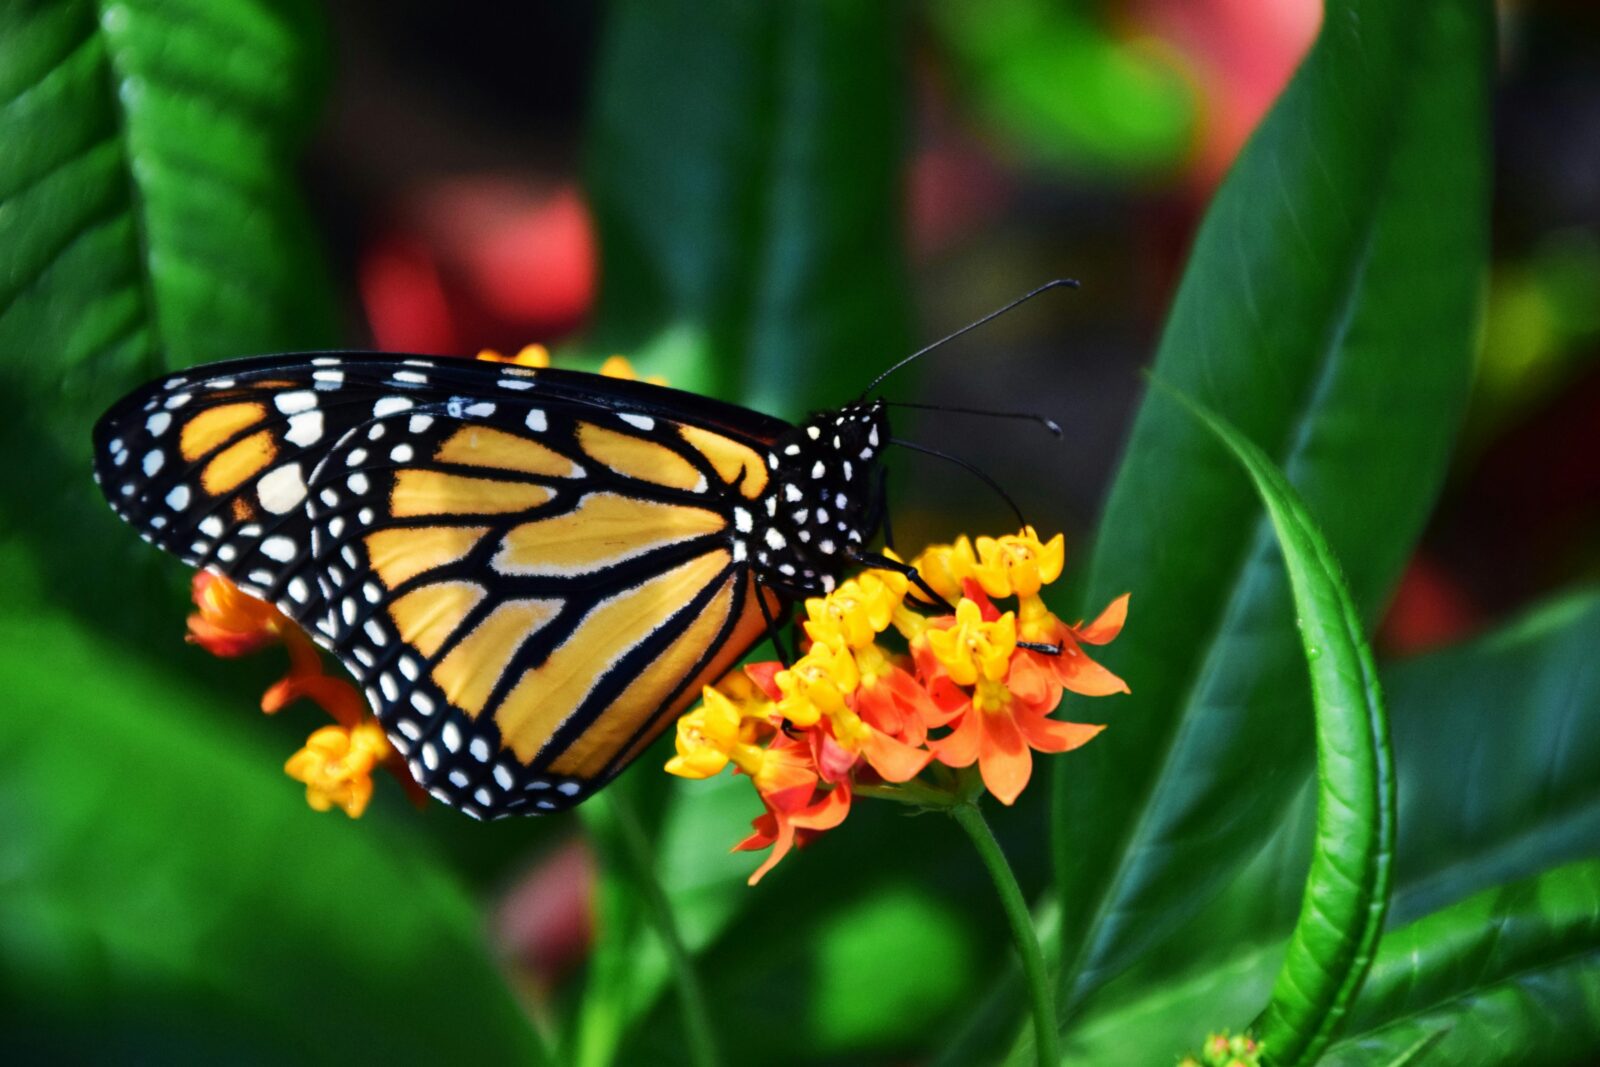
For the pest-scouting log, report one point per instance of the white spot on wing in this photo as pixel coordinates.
(278, 548)
(390, 405)
(295, 402)
(282, 489)
(305, 429)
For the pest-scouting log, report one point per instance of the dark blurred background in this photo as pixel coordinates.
(1049, 139)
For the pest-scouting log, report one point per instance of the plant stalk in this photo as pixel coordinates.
(691, 994)
(1046, 1040)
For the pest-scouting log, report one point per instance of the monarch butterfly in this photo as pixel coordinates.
(530, 571)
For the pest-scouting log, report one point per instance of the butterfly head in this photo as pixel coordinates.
(821, 503)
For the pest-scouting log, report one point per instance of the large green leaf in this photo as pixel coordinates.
(1509, 976)
(1347, 891)
(745, 174)
(1503, 771)
(1498, 757)
(1327, 312)
(167, 897)
(148, 220)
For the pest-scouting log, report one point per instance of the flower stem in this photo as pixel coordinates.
(1046, 1041)
(691, 994)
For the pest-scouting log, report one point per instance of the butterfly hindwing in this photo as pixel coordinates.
(528, 574)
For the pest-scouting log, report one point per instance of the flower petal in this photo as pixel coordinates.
(1003, 757)
(1053, 735)
(1084, 676)
(1108, 625)
(895, 761)
(960, 747)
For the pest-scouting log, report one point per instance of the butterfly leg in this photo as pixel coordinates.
(883, 509)
(882, 562)
(774, 631)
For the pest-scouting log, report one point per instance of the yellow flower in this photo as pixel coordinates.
(707, 737)
(1018, 564)
(817, 685)
(944, 566)
(336, 766)
(619, 367)
(973, 648)
(854, 614)
(531, 356)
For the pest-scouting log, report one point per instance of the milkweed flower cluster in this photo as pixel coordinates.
(973, 687)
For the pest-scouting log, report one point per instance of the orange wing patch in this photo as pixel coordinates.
(549, 694)
(603, 529)
(427, 617)
(469, 672)
(239, 461)
(737, 464)
(213, 426)
(635, 457)
(402, 554)
(589, 754)
(478, 446)
(746, 631)
(429, 492)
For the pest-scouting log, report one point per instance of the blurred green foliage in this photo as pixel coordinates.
(1063, 88)
(165, 896)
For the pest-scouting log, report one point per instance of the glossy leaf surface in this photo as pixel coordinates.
(1347, 890)
(1333, 285)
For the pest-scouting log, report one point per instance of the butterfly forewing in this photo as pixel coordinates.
(529, 576)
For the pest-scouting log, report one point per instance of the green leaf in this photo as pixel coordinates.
(1509, 976)
(1501, 751)
(148, 220)
(1347, 891)
(745, 173)
(1328, 312)
(1498, 757)
(168, 897)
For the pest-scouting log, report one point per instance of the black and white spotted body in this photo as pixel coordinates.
(821, 506)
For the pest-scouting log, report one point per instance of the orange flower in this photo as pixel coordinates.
(337, 761)
(795, 814)
(1039, 677)
(851, 715)
(1001, 732)
(231, 622)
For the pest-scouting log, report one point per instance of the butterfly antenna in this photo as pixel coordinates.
(1049, 424)
(1070, 283)
(968, 467)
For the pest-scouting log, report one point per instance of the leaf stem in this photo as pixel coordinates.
(1046, 1041)
(691, 994)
